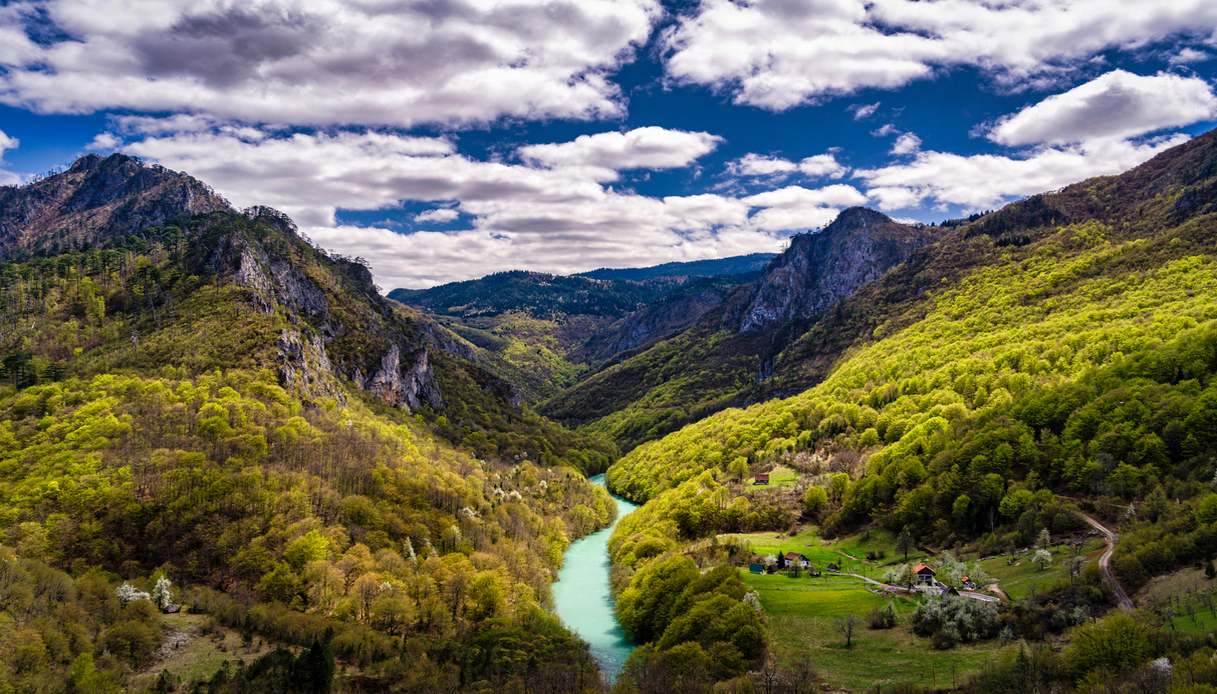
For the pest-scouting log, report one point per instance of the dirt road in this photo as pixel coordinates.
(1110, 538)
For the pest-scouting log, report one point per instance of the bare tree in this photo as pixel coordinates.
(846, 626)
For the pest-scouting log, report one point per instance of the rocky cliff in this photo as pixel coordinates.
(95, 200)
(820, 269)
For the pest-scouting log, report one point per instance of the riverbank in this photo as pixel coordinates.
(583, 596)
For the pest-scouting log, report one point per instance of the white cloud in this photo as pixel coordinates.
(439, 214)
(551, 220)
(104, 142)
(777, 54)
(759, 165)
(1118, 104)
(823, 166)
(7, 142)
(326, 62)
(604, 154)
(864, 111)
(795, 207)
(985, 181)
(884, 130)
(908, 143)
(1188, 56)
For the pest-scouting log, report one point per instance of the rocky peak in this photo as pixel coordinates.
(822, 268)
(97, 199)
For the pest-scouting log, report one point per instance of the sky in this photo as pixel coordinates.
(443, 140)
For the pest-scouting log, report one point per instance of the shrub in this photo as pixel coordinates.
(882, 617)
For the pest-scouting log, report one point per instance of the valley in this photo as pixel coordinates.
(893, 456)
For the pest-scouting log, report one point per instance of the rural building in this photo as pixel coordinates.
(923, 575)
(796, 559)
(761, 478)
(756, 567)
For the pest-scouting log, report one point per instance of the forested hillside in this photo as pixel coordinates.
(546, 332)
(210, 399)
(727, 356)
(1062, 350)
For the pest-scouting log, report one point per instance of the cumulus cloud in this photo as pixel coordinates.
(7, 178)
(604, 154)
(104, 142)
(908, 143)
(324, 62)
(864, 111)
(777, 54)
(823, 166)
(795, 207)
(752, 164)
(1188, 56)
(760, 165)
(1118, 104)
(559, 219)
(985, 181)
(439, 214)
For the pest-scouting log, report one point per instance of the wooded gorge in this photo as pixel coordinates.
(362, 491)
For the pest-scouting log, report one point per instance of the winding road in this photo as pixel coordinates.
(1110, 538)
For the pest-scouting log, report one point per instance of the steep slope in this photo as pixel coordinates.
(727, 355)
(94, 200)
(217, 401)
(1061, 352)
(818, 270)
(1027, 298)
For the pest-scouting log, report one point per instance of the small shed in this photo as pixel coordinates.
(756, 567)
(761, 478)
(923, 574)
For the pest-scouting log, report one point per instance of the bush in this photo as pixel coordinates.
(951, 620)
(131, 641)
(882, 617)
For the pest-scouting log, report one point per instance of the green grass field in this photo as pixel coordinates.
(200, 654)
(848, 552)
(780, 476)
(1024, 577)
(802, 616)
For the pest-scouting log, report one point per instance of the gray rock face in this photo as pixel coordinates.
(659, 320)
(305, 366)
(821, 269)
(95, 200)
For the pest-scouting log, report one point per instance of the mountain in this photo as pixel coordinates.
(549, 330)
(819, 270)
(95, 200)
(1021, 378)
(725, 357)
(737, 265)
(199, 394)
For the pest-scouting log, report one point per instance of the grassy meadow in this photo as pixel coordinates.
(803, 616)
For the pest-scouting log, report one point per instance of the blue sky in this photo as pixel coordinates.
(444, 139)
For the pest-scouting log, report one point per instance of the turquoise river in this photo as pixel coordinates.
(583, 598)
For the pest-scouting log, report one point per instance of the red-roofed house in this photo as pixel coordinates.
(796, 559)
(923, 574)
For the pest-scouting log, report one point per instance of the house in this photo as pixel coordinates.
(923, 575)
(967, 583)
(796, 559)
(761, 478)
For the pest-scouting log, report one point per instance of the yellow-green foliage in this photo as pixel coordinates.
(227, 479)
(1032, 323)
